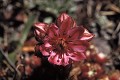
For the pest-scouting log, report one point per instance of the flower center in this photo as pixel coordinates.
(61, 45)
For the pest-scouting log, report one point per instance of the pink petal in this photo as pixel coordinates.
(54, 59)
(58, 59)
(42, 27)
(61, 18)
(47, 45)
(78, 46)
(86, 35)
(40, 30)
(52, 53)
(66, 25)
(75, 33)
(77, 56)
(37, 32)
(65, 60)
(52, 31)
(39, 35)
(44, 51)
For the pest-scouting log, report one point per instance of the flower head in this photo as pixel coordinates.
(62, 42)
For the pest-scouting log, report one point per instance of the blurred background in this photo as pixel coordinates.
(17, 42)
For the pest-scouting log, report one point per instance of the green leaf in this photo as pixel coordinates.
(23, 37)
(1, 56)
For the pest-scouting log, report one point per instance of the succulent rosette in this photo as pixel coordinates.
(64, 41)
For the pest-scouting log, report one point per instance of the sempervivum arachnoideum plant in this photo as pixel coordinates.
(91, 71)
(62, 42)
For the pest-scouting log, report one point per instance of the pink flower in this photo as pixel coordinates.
(63, 42)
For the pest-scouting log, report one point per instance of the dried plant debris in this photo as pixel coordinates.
(20, 60)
